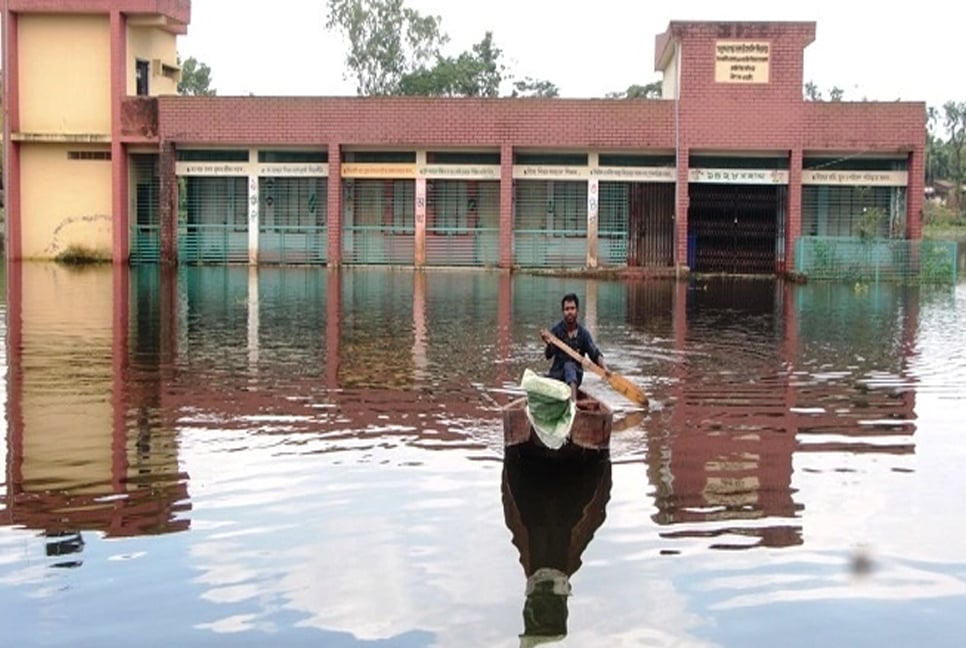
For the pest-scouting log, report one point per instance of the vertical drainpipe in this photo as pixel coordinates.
(119, 165)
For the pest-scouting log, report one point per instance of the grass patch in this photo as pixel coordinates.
(78, 255)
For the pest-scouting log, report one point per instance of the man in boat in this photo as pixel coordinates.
(571, 332)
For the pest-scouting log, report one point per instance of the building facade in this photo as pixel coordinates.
(723, 174)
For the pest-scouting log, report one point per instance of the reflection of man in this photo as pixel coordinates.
(570, 331)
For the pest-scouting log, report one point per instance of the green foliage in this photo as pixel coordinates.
(651, 90)
(78, 255)
(937, 260)
(529, 87)
(195, 78)
(477, 73)
(395, 50)
(387, 41)
(813, 93)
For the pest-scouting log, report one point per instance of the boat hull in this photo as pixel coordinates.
(591, 430)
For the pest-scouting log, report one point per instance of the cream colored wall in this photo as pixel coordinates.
(669, 85)
(67, 423)
(65, 74)
(150, 43)
(64, 202)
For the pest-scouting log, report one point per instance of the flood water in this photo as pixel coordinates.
(312, 457)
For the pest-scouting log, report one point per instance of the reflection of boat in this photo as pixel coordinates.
(591, 428)
(552, 508)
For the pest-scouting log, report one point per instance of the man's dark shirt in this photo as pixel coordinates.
(582, 343)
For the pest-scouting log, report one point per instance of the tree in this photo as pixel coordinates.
(954, 121)
(813, 93)
(387, 41)
(475, 73)
(529, 87)
(395, 50)
(195, 78)
(651, 90)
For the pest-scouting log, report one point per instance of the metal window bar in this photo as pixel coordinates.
(379, 222)
(462, 223)
(613, 218)
(145, 235)
(829, 210)
(215, 226)
(550, 223)
(854, 259)
(292, 220)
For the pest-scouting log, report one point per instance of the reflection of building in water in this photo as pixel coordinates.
(722, 463)
(552, 508)
(87, 446)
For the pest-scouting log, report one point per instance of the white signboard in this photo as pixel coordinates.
(739, 176)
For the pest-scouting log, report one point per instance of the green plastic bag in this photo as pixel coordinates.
(549, 408)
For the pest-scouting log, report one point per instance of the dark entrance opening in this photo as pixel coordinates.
(650, 239)
(734, 228)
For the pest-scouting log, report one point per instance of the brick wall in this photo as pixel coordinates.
(419, 121)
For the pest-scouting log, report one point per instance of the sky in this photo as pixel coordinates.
(586, 49)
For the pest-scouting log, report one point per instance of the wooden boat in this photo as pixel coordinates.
(591, 428)
(553, 508)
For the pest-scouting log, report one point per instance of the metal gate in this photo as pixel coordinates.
(213, 220)
(462, 223)
(379, 217)
(292, 220)
(550, 223)
(648, 221)
(736, 228)
(145, 236)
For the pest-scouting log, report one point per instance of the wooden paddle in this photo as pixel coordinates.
(620, 383)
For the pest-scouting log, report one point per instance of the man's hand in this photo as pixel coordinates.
(545, 335)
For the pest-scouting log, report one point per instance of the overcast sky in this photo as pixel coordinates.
(587, 49)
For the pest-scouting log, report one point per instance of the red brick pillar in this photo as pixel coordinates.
(168, 209)
(793, 213)
(333, 206)
(682, 202)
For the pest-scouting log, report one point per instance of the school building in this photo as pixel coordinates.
(725, 173)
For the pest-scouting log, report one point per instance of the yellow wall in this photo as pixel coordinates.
(65, 202)
(65, 74)
(67, 336)
(148, 43)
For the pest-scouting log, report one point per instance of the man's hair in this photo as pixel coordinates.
(570, 297)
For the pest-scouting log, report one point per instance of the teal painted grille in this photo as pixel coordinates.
(612, 217)
(876, 259)
(144, 236)
(292, 220)
(462, 223)
(550, 224)
(212, 244)
(213, 220)
(379, 222)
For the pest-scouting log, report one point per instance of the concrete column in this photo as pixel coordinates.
(506, 205)
(254, 216)
(419, 242)
(120, 224)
